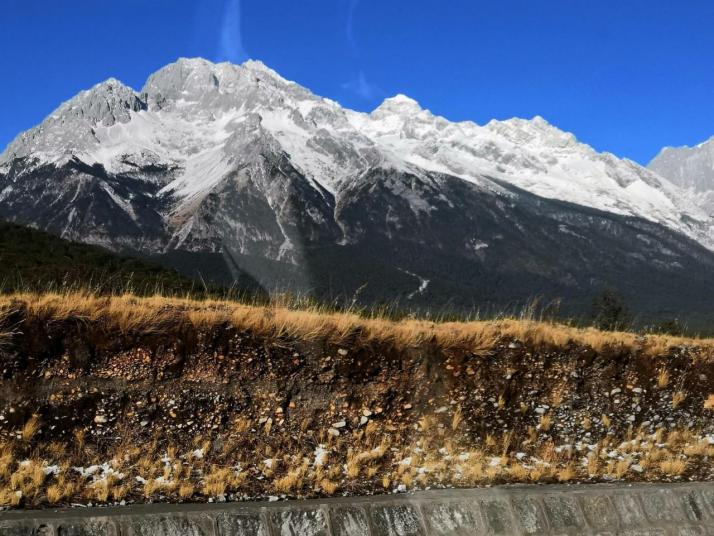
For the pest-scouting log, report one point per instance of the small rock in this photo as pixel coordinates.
(339, 424)
(333, 432)
(100, 419)
(363, 420)
(407, 406)
(637, 468)
(342, 351)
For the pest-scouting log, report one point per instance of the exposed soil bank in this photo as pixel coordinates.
(191, 411)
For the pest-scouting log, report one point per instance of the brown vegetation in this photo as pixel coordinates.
(159, 314)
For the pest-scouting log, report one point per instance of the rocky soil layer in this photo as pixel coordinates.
(193, 412)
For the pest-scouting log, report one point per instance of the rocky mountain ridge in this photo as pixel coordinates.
(231, 170)
(691, 169)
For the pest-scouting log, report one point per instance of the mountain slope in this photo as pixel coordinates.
(690, 168)
(32, 259)
(232, 170)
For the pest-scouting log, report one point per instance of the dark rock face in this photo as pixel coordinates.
(84, 203)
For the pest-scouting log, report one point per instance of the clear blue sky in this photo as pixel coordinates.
(626, 76)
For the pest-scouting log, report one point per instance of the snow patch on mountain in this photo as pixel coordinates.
(531, 154)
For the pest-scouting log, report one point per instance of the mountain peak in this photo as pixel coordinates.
(112, 83)
(257, 65)
(399, 104)
(691, 168)
(192, 62)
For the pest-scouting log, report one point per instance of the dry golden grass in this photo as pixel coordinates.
(566, 474)
(663, 378)
(292, 481)
(186, 490)
(456, 419)
(678, 398)
(55, 494)
(151, 486)
(380, 460)
(545, 423)
(9, 497)
(709, 402)
(160, 314)
(673, 466)
(30, 428)
(328, 486)
(221, 479)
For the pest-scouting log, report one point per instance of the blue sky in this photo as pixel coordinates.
(625, 76)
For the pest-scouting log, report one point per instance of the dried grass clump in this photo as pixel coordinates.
(709, 403)
(219, 480)
(30, 428)
(186, 490)
(663, 378)
(678, 398)
(292, 481)
(545, 422)
(673, 466)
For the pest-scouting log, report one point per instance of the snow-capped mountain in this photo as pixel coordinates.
(691, 169)
(234, 171)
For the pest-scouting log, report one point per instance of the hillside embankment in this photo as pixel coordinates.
(124, 399)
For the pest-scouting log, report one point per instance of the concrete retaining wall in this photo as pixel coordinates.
(604, 510)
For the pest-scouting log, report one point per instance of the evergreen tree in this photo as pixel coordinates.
(610, 312)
